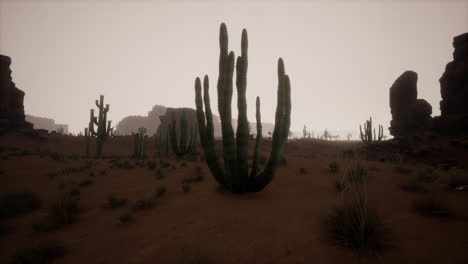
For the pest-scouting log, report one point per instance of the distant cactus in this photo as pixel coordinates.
(88, 141)
(104, 129)
(367, 136)
(139, 143)
(184, 142)
(234, 174)
(60, 130)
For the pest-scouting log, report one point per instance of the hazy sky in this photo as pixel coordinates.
(342, 56)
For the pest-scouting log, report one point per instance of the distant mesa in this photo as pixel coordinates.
(11, 100)
(152, 121)
(412, 116)
(46, 123)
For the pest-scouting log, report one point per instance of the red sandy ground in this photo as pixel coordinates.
(281, 224)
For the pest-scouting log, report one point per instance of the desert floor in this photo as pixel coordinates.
(281, 224)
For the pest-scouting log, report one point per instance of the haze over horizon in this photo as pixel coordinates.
(342, 56)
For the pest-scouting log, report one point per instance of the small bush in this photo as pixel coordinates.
(15, 204)
(63, 212)
(160, 174)
(115, 202)
(183, 164)
(165, 164)
(357, 174)
(434, 207)
(160, 191)
(302, 171)
(143, 204)
(46, 253)
(52, 175)
(185, 187)
(402, 169)
(353, 225)
(86, 182)
(334, 166)
(340, 184)
(426, 175)
(457, 178)
(412, 186)
(126, 218)
(151, 165)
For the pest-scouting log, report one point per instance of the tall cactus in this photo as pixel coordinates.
(367, 136)
(102, 132)
(87, 141)
(186, 142)
(139, 143)
(233, 174)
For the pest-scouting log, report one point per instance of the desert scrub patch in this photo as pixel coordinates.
(85, 182)
(457, 179)
(412, 186)
(63, 212)
(114, 201)
(160, 191)
(151, 164)
(159, 174)
(15, 204)
(357, 174)
(334, 166)
(126, 218)
(403, 169)
(143, 204)
(426, 174)
(352, 224)
(44, 253)
(185, 186)
(302, 171)
(433, 206)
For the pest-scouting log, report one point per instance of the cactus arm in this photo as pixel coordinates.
(258, 140)
(206, 131)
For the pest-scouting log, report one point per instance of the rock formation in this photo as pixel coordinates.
(46, 123)
(410, 115)
(11, 100)
(130, 124)
(454, 91)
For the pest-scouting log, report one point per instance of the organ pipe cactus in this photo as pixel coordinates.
(367, 136)
(233, 172)
(103, 127)
(139, 146)
(186, 142)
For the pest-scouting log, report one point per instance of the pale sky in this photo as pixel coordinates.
(342, 56)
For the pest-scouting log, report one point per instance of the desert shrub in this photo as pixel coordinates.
(159, 174)
(354, 225)
(340, 183)
(183, 164)
(334, 166)
(45, 253)
(302, 171)
(426, 175)
(15, 204)
(160, 191)
(143, 204)
(69, 186)
(85, 182)
(433, 206)
(52, 175)
(185, 186)
(114, 202)
(457, 178)
(165, 164)
(151, 165)
(57, 156)
(357, 174)
(126, 218)
(103, 172)
(61, 213)
(412, 186)
(403, 169)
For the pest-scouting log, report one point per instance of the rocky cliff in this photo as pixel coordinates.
(11, 100)
(46, 123)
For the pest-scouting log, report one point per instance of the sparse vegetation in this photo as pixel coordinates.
(15, 204)
(160, 191)
(143, 204)
(457, 179)
(185, 186)
(114, 201)
(45, 253)
(61, 213)
(334, 166)
(85, 182)
(126, 218)
(433, 206)
(302, 171)
(412, 186)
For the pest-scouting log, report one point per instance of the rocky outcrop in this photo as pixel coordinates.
(454, 91)
(410, 115)
(11, 100)
(46, 123)
(130, 124)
